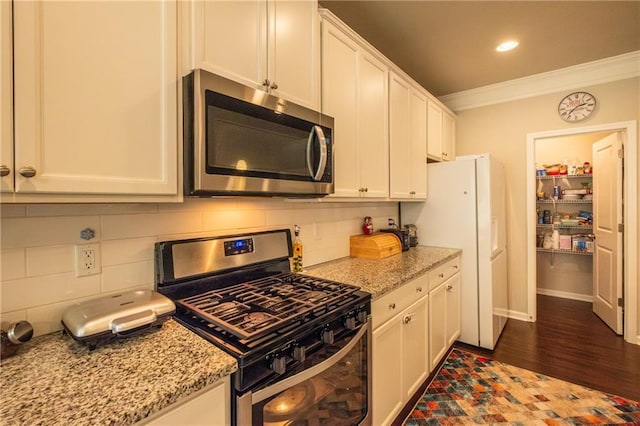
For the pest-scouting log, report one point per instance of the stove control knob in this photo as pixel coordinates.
(299, 353)
(350, 323)
(327, 336)
(362, 316)
(278, 364)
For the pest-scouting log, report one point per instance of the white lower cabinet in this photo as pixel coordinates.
(400, 348)
(210, 406)
(444, 309)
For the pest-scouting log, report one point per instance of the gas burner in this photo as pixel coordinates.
(256, 318)
(314, 296)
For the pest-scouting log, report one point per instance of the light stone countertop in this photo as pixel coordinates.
(380, 276)
(54, 380)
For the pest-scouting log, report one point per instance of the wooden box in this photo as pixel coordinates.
(375, 246)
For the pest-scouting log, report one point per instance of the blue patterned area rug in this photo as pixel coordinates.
(470, 389)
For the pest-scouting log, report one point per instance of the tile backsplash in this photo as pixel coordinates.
(37, 242)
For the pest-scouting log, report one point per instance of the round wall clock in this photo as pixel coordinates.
(577, 106)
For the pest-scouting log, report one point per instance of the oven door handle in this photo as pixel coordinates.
(276, 388)
(317, 132)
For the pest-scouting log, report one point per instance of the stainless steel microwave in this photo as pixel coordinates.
(242, 141)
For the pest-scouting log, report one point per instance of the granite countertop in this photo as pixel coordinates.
(54, 380)
(380, 276)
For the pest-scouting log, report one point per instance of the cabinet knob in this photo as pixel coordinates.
(366, 189)
(27, 172)
(4, 170)
(412, 192)
(449, 287)
(441, 275)
(274, 86)
(392, 305)
(406, 319)
(419, 289)
(266, 83)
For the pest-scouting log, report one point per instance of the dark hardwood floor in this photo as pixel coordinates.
(569, 342)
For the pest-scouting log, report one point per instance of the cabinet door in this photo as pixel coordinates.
(418, 149)
(387, 363)
(434, 131)
(96, 97)
(400, 118)
(209, 407)
(437, 324)
(415, 355)
(373, 139)
(230, 39)
(6, 99)
(448, 137)
(294, 51)
(339, 100)
(452, 320)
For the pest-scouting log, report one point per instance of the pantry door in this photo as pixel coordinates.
(607, 217)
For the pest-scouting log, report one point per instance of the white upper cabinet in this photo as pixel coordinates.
(407, 140)
(96, 98)
(441, 133)
(448, 137)
(355, 94)
(6, 99)
(272, 45)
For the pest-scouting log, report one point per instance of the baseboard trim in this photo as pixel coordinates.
(520, 316)
(615, 68)
(565, 295)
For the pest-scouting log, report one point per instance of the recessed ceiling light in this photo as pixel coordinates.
(507, 45)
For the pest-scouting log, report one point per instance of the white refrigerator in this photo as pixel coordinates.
(466, 209)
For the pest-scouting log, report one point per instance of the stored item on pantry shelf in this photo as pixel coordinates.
(553, 169)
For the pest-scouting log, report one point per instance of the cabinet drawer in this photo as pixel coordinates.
(384, 308)
(443, 272)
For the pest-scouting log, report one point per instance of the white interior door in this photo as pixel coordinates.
(607, 215)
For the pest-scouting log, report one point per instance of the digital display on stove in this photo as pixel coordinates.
(242, 246)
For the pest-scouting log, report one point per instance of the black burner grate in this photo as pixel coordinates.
(252, 309)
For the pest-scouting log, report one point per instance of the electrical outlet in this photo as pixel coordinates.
(87, 260)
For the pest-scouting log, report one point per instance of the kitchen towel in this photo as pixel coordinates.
(472, 389)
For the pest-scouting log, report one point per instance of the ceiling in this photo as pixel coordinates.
(449, 46)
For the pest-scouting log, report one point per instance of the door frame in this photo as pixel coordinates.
(630, 214)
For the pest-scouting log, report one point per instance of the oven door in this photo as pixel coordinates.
(335, 389)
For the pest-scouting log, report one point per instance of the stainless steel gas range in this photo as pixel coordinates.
(302, 343)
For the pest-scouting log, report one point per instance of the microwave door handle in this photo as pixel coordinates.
(317, 132)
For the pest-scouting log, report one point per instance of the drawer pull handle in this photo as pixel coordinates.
(4, 170)
(392, 305)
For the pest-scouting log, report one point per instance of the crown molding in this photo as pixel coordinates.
(591, 73)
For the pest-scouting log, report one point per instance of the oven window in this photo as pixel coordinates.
(336, 396)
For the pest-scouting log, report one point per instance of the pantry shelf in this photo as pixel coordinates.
(564, 201)
(579, 253)
(551, 226)
(551, 177)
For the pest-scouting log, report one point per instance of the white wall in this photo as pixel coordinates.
(37, 241)
(502, 129)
